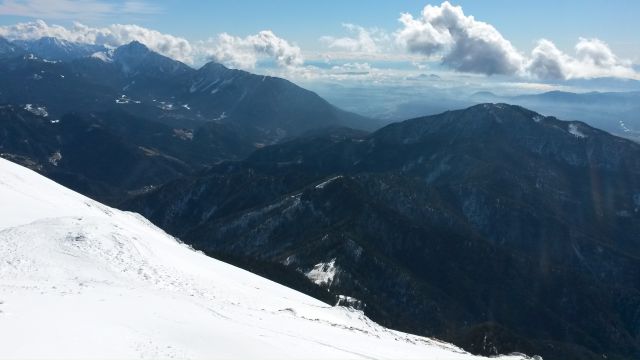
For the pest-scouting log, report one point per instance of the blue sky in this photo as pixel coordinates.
(519, 41)
(523, 22)
(304, 22)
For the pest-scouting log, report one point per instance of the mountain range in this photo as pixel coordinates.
(143, 105)
(493, 227)
(496, 228)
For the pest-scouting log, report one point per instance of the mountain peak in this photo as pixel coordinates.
(493, 107)
(134, 48)
(494, 121)
(135, 44)
(501, 113)
(52, 40)
(214, 69)
(213, 66)
(135, 56)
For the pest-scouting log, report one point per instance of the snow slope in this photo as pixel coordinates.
(81, 280)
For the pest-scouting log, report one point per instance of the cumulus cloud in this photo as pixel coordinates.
(74, 9)
(112, 35)
(464, 44)
(593, 58)
(245, 52)
(547, 61)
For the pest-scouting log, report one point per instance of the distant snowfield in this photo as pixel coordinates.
(81, 280)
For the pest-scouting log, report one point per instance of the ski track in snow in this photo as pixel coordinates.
(81, 280)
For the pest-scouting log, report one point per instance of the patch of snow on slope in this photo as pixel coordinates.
(573, 130)
(124, 99)
(37, 110)
(82, 280)
(327, 182)
(183, 134)
(348, 301)
(323, 273)
(55, 158)
(165, 105)
(221, 117)
(105, 56)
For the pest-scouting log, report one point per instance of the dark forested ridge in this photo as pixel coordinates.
(130, 105)
(493, 227)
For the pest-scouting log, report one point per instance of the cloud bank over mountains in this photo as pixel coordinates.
(231, 50)
(113, 35)
(441, 34)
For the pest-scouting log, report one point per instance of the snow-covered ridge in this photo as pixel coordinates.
(81, 280)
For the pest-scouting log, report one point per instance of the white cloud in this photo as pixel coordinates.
(547, 61)
(464, 44)
(112, 35)
(245, 52)
(593, 58)
(74, 9)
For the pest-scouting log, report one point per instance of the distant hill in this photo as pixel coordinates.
(614, 112)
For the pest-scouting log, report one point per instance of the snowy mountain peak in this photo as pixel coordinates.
(106, 56)
(48, 40)
(51, 48)
(7, 48)
(81, 280)
(136, 57)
